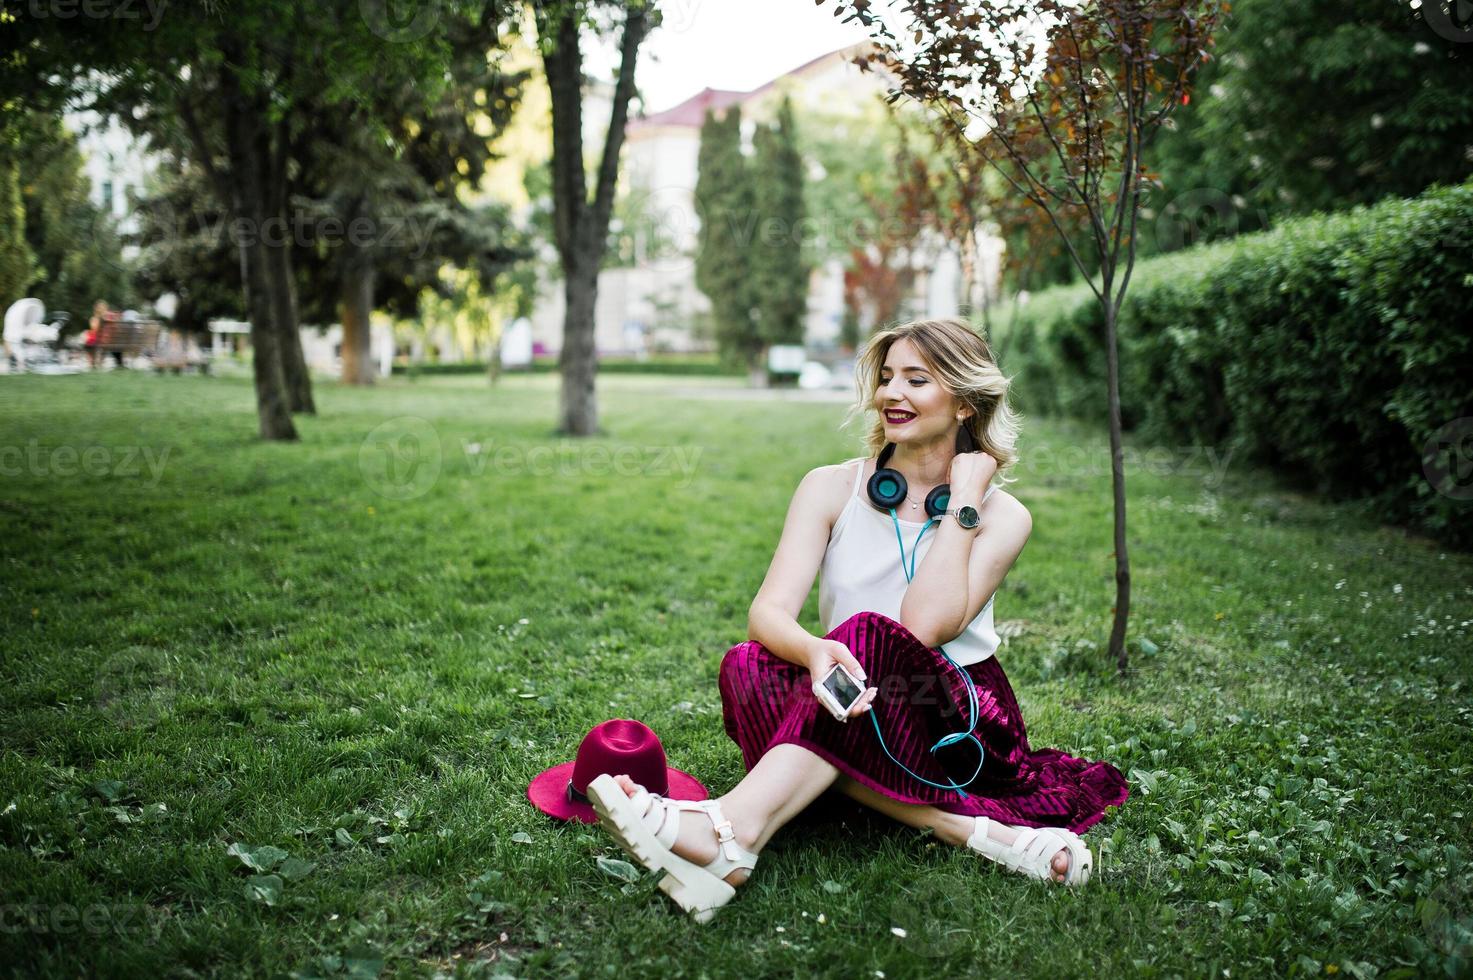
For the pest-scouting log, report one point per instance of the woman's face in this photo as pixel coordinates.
(910, 399)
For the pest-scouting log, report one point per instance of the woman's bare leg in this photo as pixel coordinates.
(951, 828)
(782, 783)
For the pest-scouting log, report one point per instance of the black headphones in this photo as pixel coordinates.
(887, 487)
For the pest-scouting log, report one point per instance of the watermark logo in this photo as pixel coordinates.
(394, 902)
(1195, 216)
(932, 918)
(1449, 19)
(401, 459)
(1447, 459)
(386, 18)
(1447, 920)
(136, 686)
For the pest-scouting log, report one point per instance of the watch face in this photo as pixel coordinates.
(967, 517)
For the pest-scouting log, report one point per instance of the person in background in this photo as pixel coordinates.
(102, 314)
(94, 331)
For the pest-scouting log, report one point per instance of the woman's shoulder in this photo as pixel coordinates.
(832, 483)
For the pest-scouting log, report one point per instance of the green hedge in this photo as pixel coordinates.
(657, 364)
(1330, 349)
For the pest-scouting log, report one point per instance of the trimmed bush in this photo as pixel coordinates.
(1331, 349)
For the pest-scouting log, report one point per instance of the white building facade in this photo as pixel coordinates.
(654, 304)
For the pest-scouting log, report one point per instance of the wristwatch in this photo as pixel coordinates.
(966, 516)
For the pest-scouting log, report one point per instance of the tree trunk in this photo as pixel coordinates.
(578, 361)
(493, 362)
(1116, 648)
(246, 146)
(757, 370)
(284, 299)
(357, 307)
(969, 263)
(580, 226)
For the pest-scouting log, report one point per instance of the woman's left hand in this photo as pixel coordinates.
(971, 471)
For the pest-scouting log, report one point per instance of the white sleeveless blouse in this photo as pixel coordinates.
(861, 572)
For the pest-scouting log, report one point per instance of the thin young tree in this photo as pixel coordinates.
(1062, 99)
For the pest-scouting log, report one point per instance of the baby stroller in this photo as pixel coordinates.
(30, 342)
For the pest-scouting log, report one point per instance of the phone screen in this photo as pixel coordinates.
(841, 687)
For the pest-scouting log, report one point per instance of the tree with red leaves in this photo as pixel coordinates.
(1061, 99)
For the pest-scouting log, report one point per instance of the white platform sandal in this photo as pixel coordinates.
(1033, 851)
(646, 826)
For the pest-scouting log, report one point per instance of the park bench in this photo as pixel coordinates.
(128, 337)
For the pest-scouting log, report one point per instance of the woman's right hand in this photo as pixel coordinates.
(823, 655)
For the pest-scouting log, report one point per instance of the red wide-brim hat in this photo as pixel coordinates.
(620, 745)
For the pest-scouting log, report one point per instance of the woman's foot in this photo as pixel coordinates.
(1007, 834)
(1004, 834)
(697, 838)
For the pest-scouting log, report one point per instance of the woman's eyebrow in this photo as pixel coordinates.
(904, 369)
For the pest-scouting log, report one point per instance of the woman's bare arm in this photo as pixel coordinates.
(773, 617)
(951, 586)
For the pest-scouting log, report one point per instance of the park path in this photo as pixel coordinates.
(835, 396)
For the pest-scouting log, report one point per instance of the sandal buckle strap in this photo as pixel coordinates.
(726, 836)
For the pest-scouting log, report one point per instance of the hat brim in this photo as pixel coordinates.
(548, 792)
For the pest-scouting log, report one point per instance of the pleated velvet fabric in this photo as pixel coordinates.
(767, 701)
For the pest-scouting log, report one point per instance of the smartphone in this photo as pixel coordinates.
(838, 691)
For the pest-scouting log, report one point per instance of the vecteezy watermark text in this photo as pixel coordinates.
(65, 461)
(1078, 461)
(66, 919)
(411, 234)
(153, 10)
(569, 459)
(403, 458)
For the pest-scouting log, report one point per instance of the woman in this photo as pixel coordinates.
(93, 333)
(935, 388)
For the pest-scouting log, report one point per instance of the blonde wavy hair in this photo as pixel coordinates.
(963, 363)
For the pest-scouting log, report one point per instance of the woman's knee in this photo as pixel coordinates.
(739, 657)
(749, 673)
(870, 618)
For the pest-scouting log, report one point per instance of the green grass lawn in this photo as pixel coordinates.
(347, 651)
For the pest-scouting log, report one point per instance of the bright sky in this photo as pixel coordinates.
(734, 44)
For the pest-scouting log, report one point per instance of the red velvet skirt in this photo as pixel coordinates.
(768, 701)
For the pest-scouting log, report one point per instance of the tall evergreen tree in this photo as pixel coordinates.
(725, 205)
(779, 272)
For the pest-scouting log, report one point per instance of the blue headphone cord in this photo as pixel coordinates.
(955, 737)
